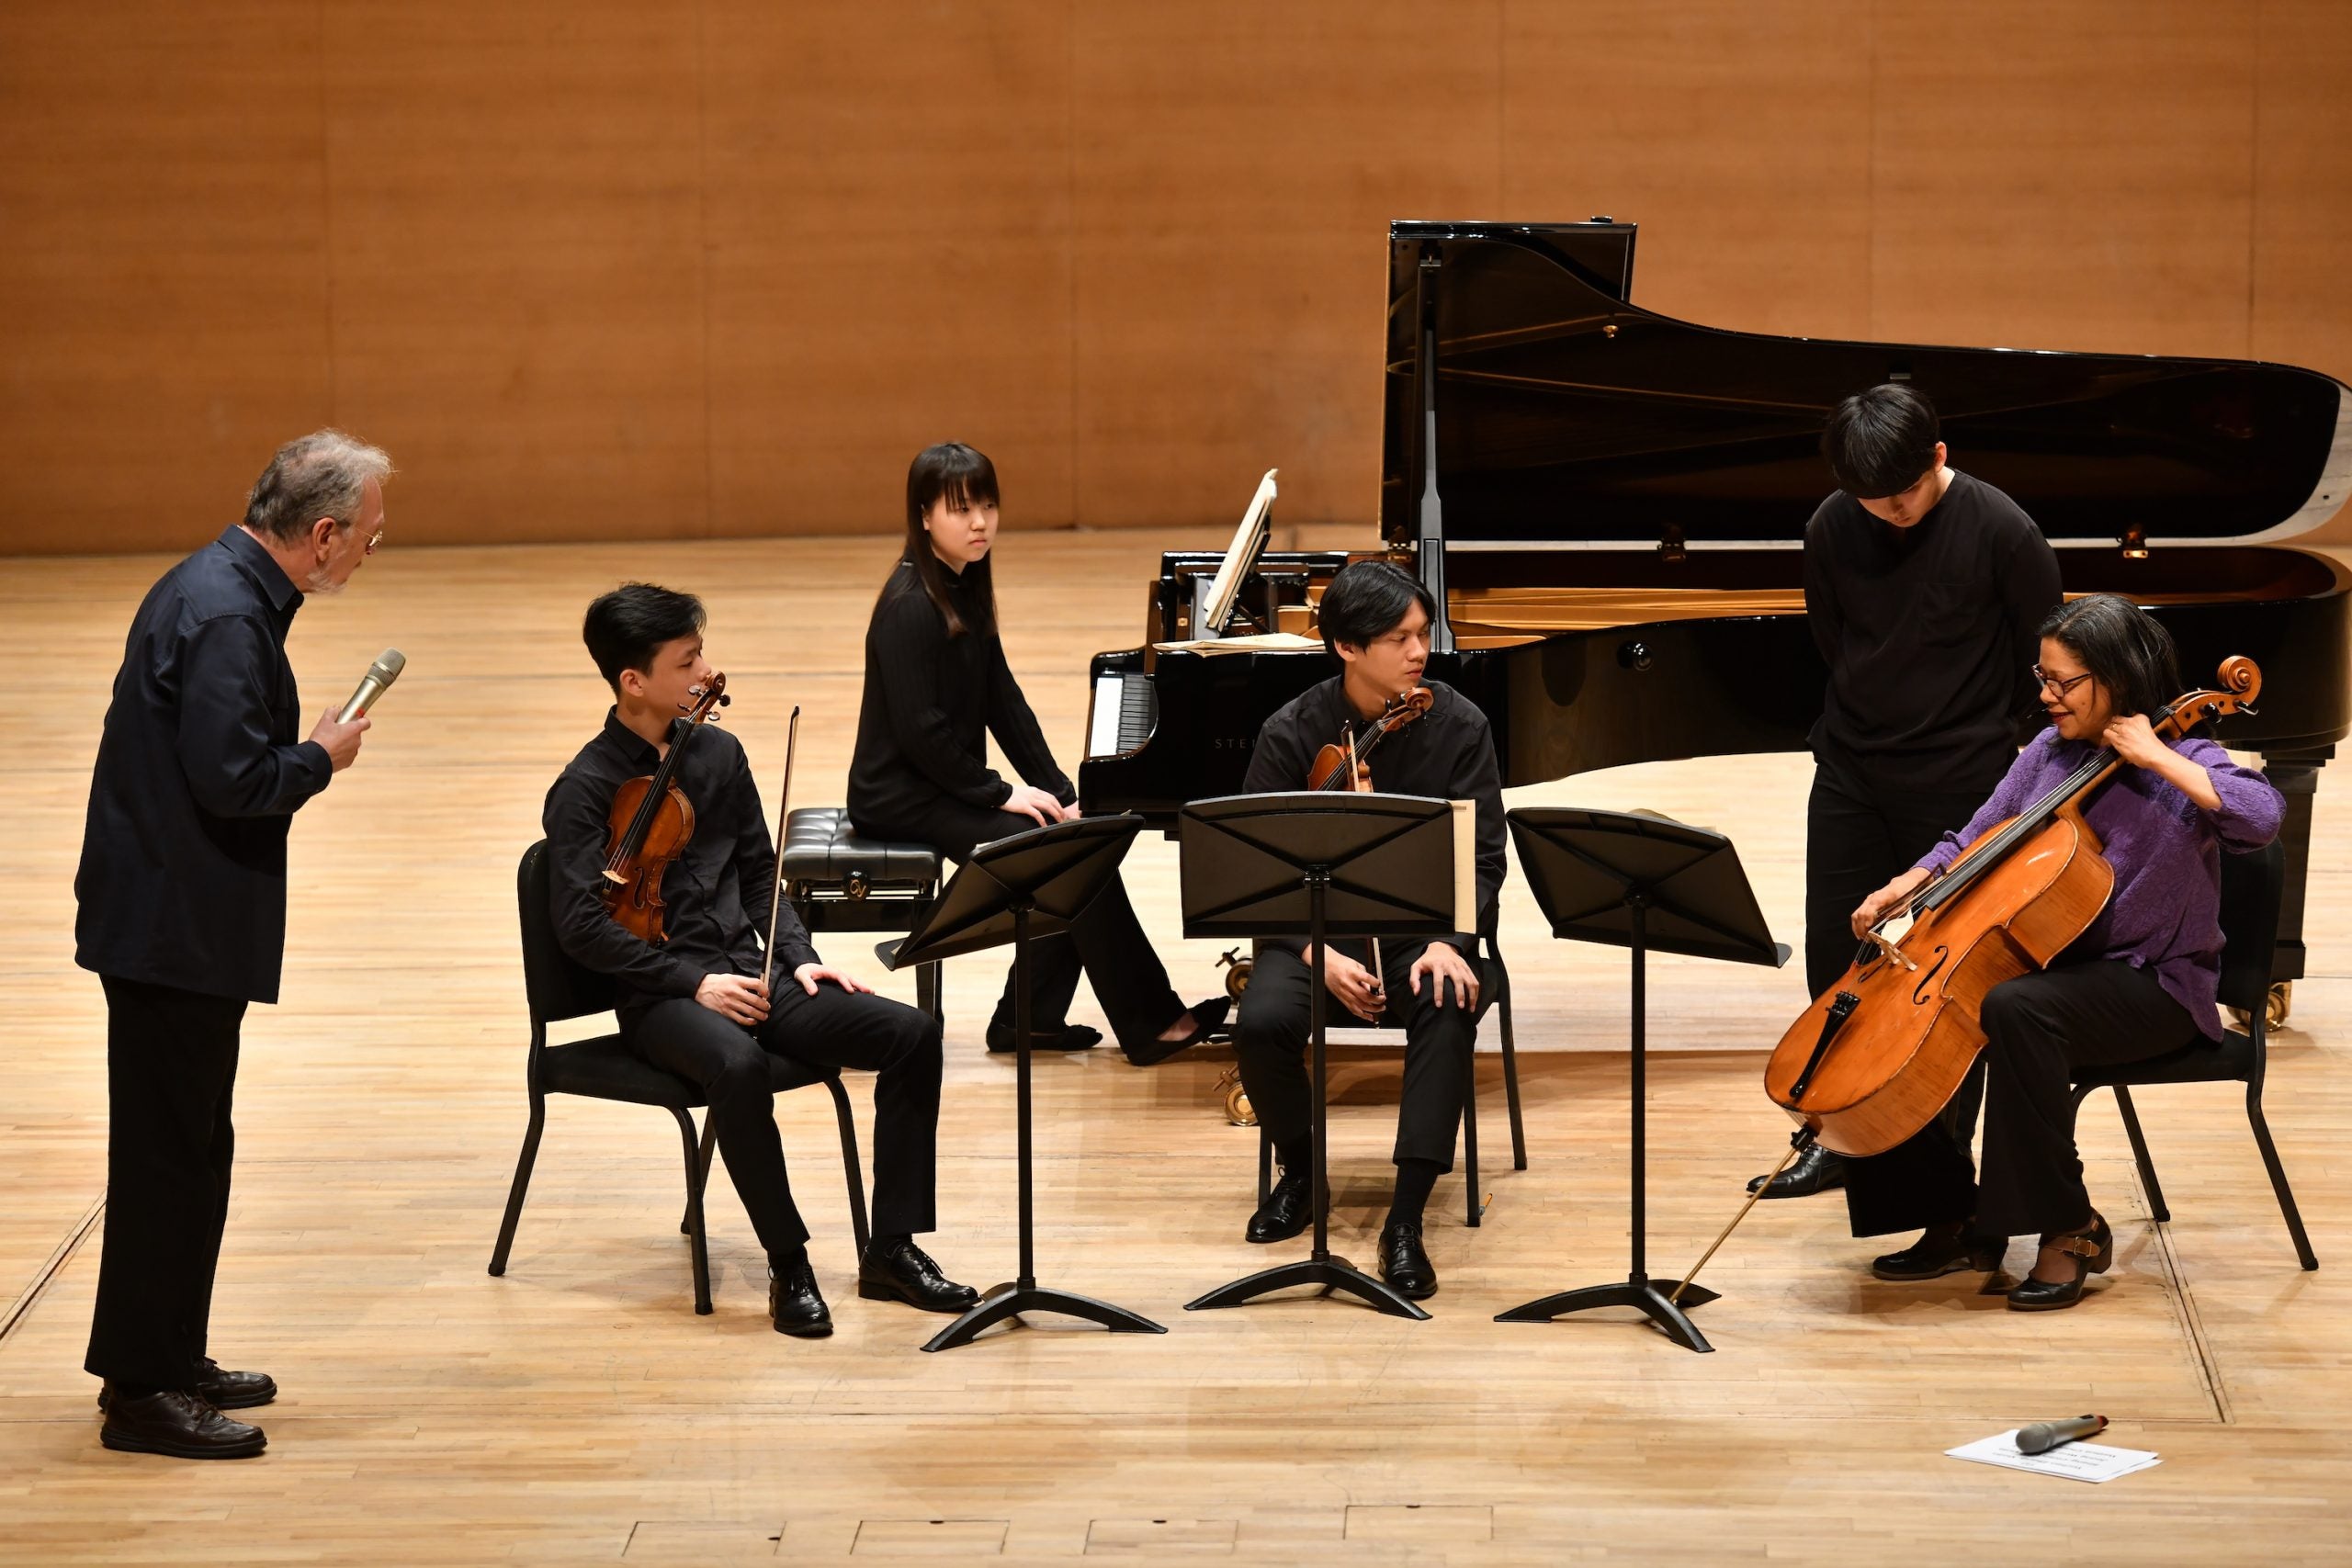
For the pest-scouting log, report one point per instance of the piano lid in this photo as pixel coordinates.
(1568, 417)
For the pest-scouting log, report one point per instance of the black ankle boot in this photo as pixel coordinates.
(2093, 1250)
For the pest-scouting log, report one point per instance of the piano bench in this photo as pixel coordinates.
(838, 881)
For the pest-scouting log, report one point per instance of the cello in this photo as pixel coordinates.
(1877, 1057)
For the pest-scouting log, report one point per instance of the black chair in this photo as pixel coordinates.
(2250, 893)
(1493, 976)
(838, 881)
(602, 1068)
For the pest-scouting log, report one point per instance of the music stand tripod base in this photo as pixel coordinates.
(1329, 1272)
(1649, 1296)
(1018, 1300)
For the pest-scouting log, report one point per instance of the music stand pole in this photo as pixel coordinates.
(1319, 1267)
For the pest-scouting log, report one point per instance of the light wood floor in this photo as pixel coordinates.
(577, 1410)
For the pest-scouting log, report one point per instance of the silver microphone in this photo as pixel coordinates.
(380, 674)
(2043, 1436)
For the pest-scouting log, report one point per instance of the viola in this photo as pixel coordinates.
(1877, 1057)
(652, 822)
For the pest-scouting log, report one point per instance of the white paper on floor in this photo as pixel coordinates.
(2075, 1462)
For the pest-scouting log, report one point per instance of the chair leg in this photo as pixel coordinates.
(1510, 1087)
(700, 1253)
(2278, 1177)
(701, 1164)
(523, 1164)
(1470, 1131)
(927, 994)
(1265, 1166)
(849, 1168)
(2156, 1209)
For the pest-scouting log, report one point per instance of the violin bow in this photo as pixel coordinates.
(783, 821)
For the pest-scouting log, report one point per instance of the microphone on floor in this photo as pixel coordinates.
(381, 675)
(2043, 1436)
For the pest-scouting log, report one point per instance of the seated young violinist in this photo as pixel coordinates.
(694, 1006)
(2140, 983)
(1375, 619)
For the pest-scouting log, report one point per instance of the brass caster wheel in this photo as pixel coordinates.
(1236, 973)
(2279, 1004)
(1237, 1110)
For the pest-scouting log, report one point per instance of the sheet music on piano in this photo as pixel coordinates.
(1215, 607)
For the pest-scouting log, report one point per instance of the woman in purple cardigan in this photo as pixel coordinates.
(2140, 983)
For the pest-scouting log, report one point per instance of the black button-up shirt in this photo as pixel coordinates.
(1448, 753)
(717, 891)
(199, 773)
(931, 703)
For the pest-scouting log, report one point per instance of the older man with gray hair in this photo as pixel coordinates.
(182, 890)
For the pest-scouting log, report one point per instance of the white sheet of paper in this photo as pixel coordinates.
(2075, 1462)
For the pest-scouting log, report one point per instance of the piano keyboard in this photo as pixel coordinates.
(1126, 709)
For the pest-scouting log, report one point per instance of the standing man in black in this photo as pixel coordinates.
(1924, 588)
(182, 890)
(696, 1006)
(1375, 619)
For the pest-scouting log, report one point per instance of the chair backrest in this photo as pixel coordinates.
(558, 987)
(2251, 888)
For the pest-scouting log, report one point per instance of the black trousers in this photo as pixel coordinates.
(1107, 944)
(171, 1076)
(1272, 1034)
(2038, 1029)
(834, 1028)
(1860, 834)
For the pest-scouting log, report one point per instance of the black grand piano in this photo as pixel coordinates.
(1608, 505)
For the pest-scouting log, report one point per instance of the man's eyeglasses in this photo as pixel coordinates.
(2044, 682)
(374, 541)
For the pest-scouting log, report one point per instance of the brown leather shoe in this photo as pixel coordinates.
(219, 1388)
(179, 1425)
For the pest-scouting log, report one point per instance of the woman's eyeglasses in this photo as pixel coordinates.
(2044, 682)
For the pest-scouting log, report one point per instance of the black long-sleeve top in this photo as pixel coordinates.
(199, 773)
(1447, 753)
(718, 891)
(931, 702)
(1929, 632)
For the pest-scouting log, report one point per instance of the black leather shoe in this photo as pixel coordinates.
(2093, 1250)
(1288, 1209)
(1069, 1037)
(219, 1389)
(1935, 1255)
(1207, 1018)
(1404, 1264)
(1815, 1170)
(901, 1271)
(796, 1303)
(179, 1425)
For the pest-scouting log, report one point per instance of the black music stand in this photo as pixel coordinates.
(1637, 880)
(1031, 885)
(1318, 865)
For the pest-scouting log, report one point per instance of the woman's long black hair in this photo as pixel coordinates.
(2125, 648)
(961, 476)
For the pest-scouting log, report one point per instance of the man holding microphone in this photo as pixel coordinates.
(182, 890)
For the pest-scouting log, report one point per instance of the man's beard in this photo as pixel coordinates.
(322, 582)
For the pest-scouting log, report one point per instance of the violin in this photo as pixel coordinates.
(1347, 764)
(652, 822)
(1877, 1057)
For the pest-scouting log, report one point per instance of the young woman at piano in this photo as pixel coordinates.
(2140, 983)
(936, 686)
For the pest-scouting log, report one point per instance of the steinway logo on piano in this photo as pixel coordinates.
(1233, 743)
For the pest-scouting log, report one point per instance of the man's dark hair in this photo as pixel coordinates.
(1367, 598)
(1881, 442)
(624, 628)
(2126, 649)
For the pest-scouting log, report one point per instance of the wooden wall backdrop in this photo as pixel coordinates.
(607, 269)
